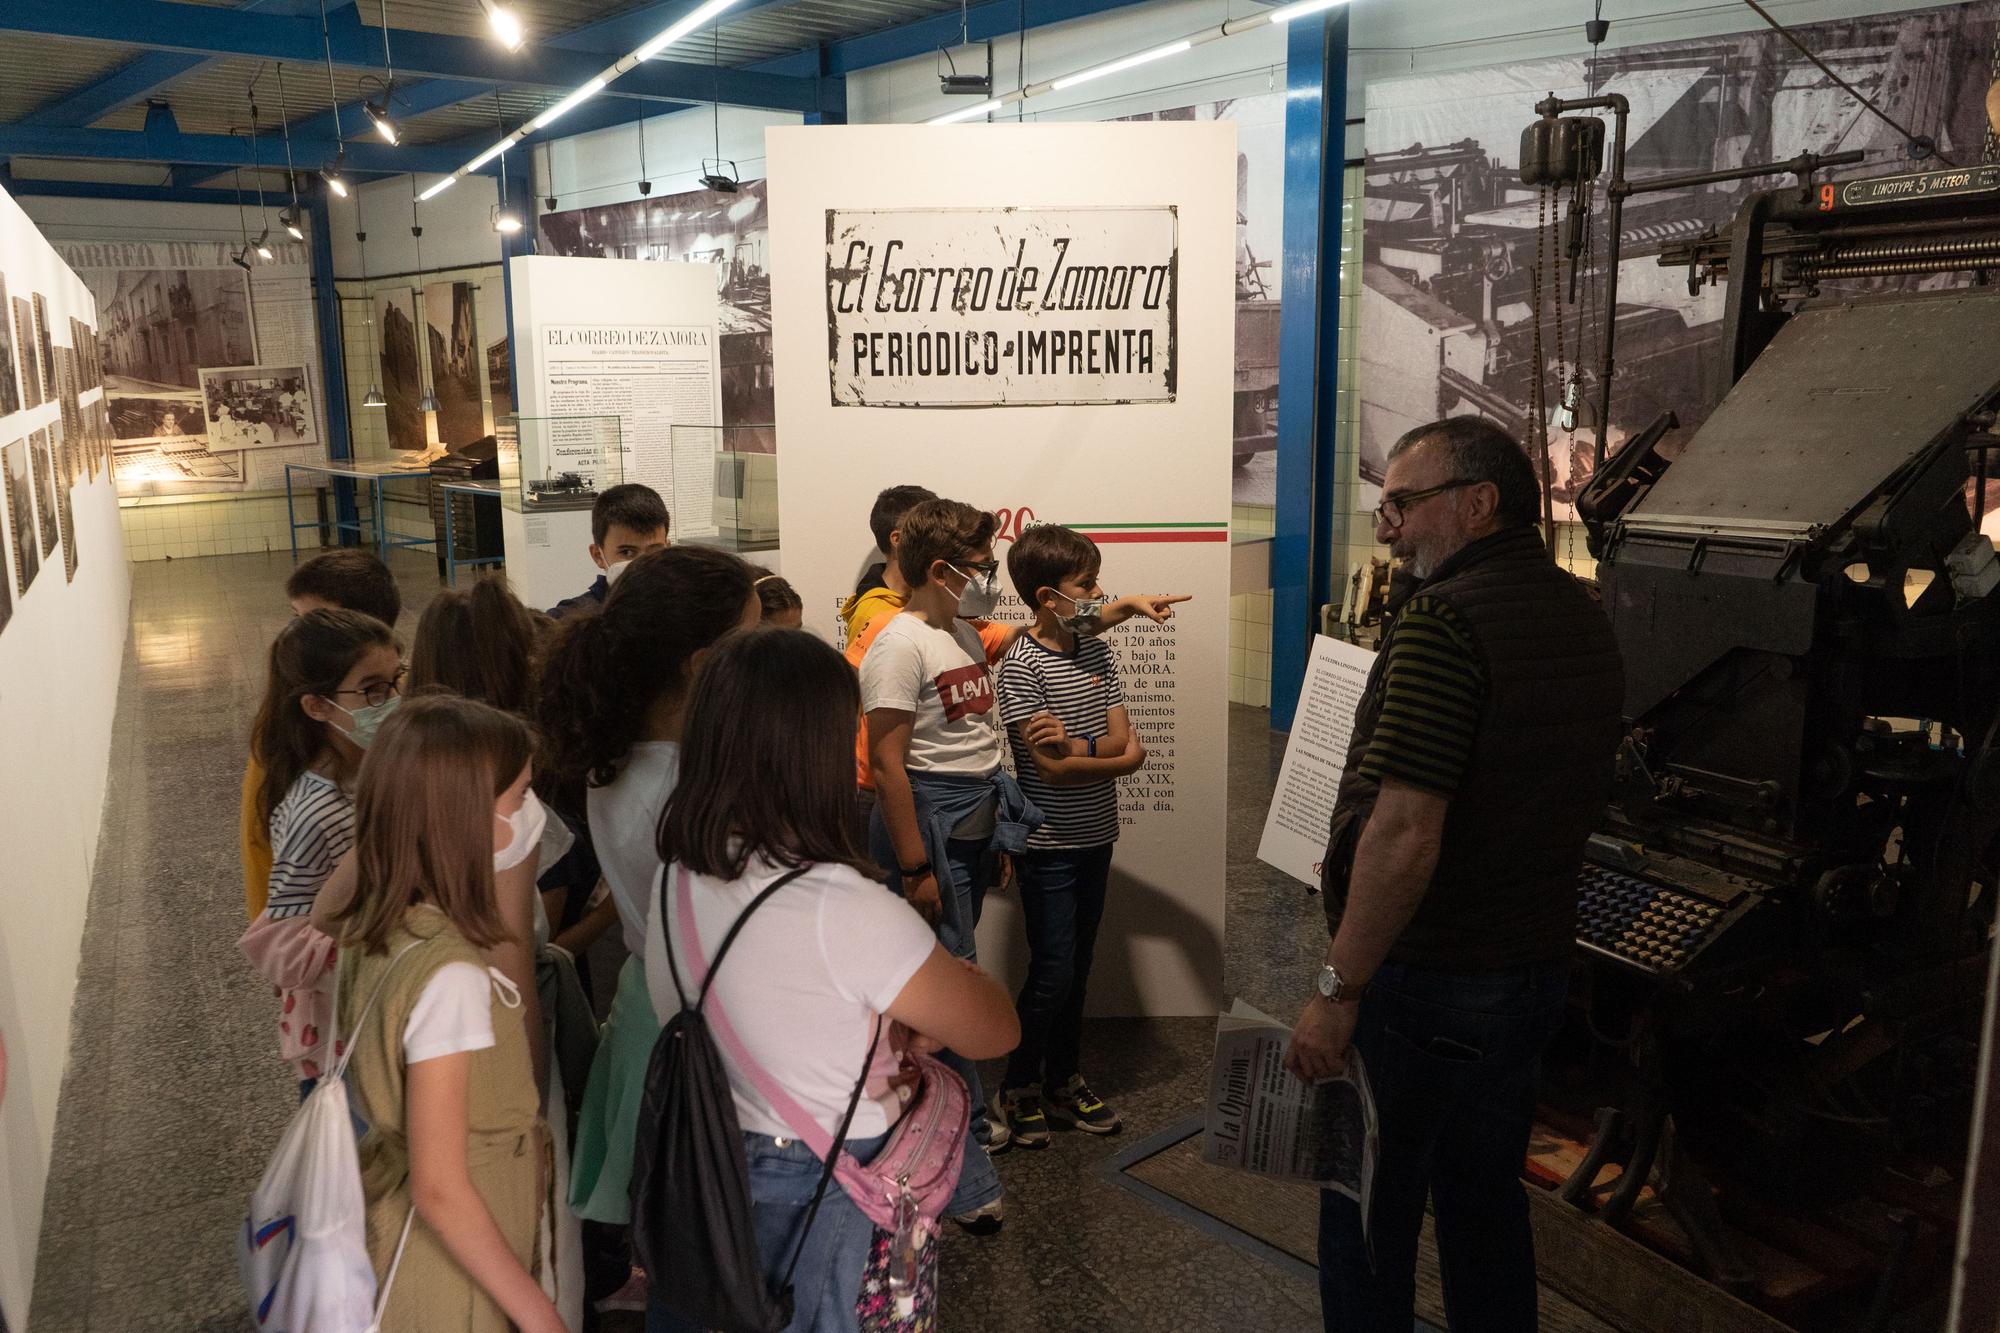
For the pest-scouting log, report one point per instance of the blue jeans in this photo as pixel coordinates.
(962, 878)
(827, 1283)
(1062, 897)
(1452, 1059)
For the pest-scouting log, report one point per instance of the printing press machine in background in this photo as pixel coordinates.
(1785, 923)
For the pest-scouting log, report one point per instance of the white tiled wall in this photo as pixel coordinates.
(178, 529)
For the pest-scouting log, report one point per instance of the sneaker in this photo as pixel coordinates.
(1076, 1103)
(1021, 1110)
(983, 1221)
(999, 1138)
(631, 1297)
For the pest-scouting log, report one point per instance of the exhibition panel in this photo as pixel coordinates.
(1499, 830)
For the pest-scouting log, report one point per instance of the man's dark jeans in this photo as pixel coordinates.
(1062, 897)
(1452, 1059)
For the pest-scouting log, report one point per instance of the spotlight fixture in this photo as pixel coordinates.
(713, 177)
(549, 203)
(240, 259)
(505, 23)
(953, 84)
(263, 244)
(374, 398)
(332, 172)
(377, 112)
(505, 220)
(291, 219)
(429, 402)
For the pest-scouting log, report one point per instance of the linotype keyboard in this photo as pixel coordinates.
(1652, 927)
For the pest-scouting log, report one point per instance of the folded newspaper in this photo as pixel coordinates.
(1262, 1119)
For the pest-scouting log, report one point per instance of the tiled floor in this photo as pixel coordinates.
(173, 1098)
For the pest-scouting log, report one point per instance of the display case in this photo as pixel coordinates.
(726, 485)
(556, 463)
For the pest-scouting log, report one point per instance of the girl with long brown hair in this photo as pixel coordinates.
(614, 690)
(333, 677)
(455, 1163)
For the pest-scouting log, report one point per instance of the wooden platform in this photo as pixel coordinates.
(1593, 1278)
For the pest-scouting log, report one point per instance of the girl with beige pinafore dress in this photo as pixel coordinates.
(507, 1149)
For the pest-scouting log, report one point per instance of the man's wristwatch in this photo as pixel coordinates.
(1332, 986)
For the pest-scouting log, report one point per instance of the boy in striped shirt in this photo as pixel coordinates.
(1059, 683)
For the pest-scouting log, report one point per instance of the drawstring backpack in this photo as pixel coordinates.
(303, 1251)
(691, 1224)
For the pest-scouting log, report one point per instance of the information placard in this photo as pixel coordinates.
(1295, 828)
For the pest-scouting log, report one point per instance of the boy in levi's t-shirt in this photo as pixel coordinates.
(943, 800)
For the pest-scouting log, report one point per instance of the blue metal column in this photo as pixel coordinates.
(832, 92)
(332, 358)
(1303, 551)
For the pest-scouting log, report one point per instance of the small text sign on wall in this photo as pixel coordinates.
(1011, 307)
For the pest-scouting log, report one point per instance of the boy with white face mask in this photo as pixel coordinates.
(944, 803)
(627, 522)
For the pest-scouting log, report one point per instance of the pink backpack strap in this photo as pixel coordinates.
(805, 1126)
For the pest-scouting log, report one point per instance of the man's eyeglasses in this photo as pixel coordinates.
(378, 693)
(986, 569)
(1391, 511)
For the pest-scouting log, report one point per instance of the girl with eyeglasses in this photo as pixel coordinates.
(334, 676)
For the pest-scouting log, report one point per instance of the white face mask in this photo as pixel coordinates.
(980, 595)
(525, 825)
(611, 572)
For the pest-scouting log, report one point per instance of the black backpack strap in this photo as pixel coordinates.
(839, 1146)
(667, 933)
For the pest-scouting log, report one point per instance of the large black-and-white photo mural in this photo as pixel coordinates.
(1449, 308)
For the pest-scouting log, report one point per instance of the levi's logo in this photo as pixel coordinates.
(965, 691)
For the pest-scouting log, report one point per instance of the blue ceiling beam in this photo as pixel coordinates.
(997, 18)
(217, 150)
(624, 33)
(138, 79)
(207, 31)
(152, 194)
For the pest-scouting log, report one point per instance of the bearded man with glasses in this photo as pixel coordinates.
(1481, 760)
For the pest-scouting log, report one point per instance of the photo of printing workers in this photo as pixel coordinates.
(60, 445)
(20, 509)
(45, 347)
(1449, 235)
(10, 380)
(257, 407)
(730, 231)
(42, 464)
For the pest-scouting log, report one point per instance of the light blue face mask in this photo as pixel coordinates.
(368, 719)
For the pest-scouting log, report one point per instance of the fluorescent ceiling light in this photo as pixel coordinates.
(438, 189)
(1120, 66)
(1304, 7)
(681, 28)
(570, 103)
(487, 156)
(964, 113)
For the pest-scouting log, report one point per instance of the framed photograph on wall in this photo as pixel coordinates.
(24, 342)
(258, 407)
(395, 311)
(20, 511)
(43, 465)
(45, 346)
(10, 382)
(60, 447)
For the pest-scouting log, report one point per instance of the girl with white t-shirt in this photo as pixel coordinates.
(613, 692)
(767, 787)
(456, 1161)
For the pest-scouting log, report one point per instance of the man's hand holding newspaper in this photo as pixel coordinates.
(1263, 1119)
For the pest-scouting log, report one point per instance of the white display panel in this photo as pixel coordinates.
(62, 637)
(611, 337)
(1149, 480)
